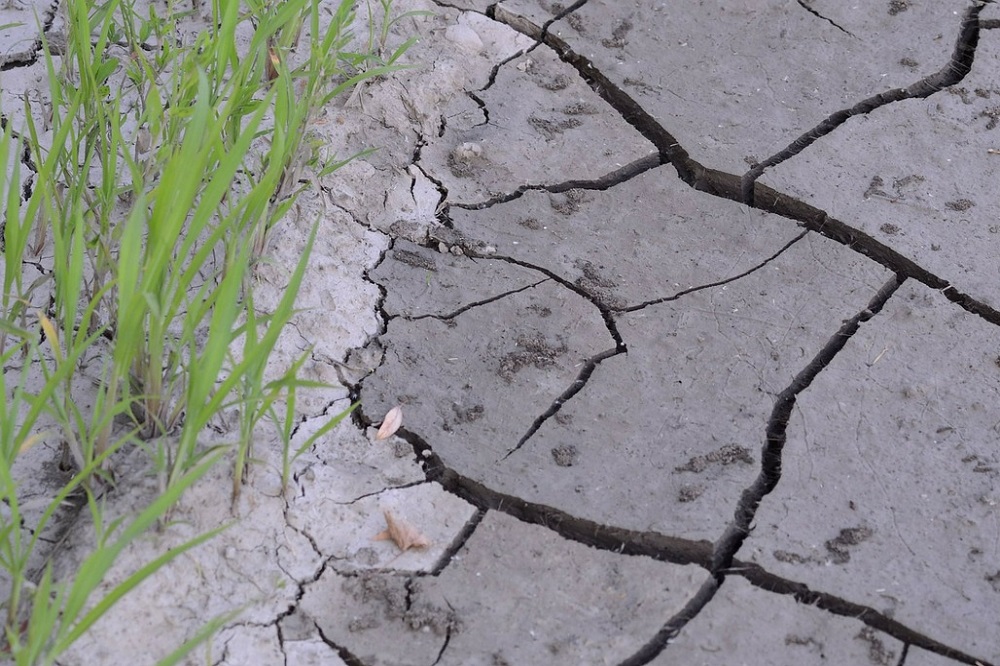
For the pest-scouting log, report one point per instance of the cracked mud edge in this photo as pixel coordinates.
(30, 55)
(953, 71)
(730, 186)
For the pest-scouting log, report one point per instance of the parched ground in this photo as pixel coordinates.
(692, 313)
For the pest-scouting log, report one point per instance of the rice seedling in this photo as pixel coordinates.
(145, 187)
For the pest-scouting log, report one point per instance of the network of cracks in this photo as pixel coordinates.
(570, 306)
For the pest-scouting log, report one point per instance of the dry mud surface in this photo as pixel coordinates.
(692, 311)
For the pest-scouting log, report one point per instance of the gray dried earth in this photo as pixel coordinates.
(692, 310)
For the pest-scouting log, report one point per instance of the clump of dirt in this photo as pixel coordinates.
(597, 285)
(618, 35)
(727, 455)
(413, 259)
(550, 129)
(532, 350)
(790, 558)
(851, 536)
(959, 204)
(565, 455)
(689, 492)
(568, 202)
(898, 7)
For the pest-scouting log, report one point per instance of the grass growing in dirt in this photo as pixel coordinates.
(160, 162)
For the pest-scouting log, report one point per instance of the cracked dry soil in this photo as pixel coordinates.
(692, 312)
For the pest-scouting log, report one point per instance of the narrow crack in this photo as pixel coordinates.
(805, 6)
(448, 5)
(346, 655)
(301, 586)
(725, 549)
(758, 577)
(224, 657)
(438, 183)
(606, 313)
(719, 283)
(489, 13)
(601, 183)
(469, 306)
(444, 646)
(581, 380)
(408, 587)
(376, 493)
(281, 642)
(563, 14)
(305, 418)
(954, 71)
(458, 543)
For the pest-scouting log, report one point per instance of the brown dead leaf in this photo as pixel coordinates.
(390, 424)
(404, 535)
(271, 64)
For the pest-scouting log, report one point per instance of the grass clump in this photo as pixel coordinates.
(145, 191)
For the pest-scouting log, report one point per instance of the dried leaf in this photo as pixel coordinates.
(390, 424)
(271, 64)
(404, 535)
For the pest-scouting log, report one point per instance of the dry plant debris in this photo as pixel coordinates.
(390, 424)
(401, 533)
